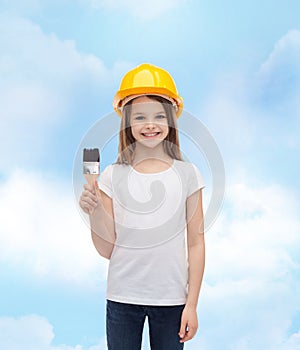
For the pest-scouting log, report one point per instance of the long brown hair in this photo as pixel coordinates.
(127, 141)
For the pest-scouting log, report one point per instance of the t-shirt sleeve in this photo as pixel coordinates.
(195, 180)
(105, 183)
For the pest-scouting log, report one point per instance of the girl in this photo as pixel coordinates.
(146, 217)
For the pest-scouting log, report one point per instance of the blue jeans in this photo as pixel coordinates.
(125, 323)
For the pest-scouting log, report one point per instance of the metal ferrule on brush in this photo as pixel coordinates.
(91, 168)
(91, 161)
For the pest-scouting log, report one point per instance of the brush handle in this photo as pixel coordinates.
(90, 178)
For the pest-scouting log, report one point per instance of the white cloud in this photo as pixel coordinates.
(284, 58)
(261, 220)
(277, 87)
(255, 116)
(41, 79)
(31, 57)
(42, 231)
(144, 10)
(29, 332)
(32, 332)
(293, 342)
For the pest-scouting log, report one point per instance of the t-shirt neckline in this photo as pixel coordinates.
(150, 174)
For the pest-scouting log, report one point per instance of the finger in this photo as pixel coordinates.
(88, 194)
(182, 328)
(89, 188)
(87, 201)
(189, 334)
(85, 208)
(88, 197)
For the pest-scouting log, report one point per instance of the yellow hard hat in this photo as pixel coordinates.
(147, 79)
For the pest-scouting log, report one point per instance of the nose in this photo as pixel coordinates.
(150, 125)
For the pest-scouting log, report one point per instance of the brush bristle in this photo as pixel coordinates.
(91, 155)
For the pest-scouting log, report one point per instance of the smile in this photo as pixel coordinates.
(153, 134)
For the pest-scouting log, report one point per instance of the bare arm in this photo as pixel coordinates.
(102, 225)
(196, 246)
(196, 259)
(100, 209)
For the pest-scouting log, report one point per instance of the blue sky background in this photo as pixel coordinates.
(237, 65)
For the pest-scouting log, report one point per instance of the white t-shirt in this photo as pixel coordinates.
(149, 264)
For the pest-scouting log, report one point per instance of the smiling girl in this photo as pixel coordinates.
(146, 217)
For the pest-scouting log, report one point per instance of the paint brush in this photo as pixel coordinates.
(91, 165)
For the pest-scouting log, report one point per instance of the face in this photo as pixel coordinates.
(148, 120)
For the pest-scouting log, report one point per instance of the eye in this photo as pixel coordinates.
(139, 117)
(160, 116)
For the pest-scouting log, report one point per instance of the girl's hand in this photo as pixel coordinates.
(89, 199)
(188, 319)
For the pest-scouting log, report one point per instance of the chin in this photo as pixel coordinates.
(150, 143)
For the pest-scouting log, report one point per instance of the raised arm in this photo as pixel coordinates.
(100, 209)
(103, 237)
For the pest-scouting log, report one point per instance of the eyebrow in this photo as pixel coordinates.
(139, 113)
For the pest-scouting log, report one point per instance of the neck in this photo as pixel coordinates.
(143, 153)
